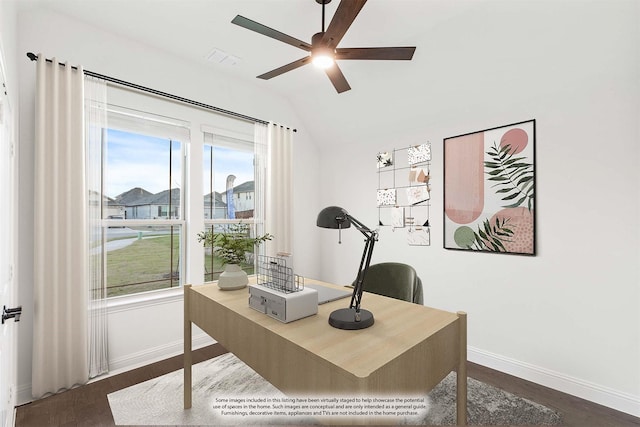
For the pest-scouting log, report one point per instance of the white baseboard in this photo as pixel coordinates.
(132, 361)
(614, 399)
(23, 394)
(605, 396)
(155, 354)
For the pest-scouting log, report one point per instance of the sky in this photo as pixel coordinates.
(135, 160)
(226, 162)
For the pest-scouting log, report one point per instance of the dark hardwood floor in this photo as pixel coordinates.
(88, 405)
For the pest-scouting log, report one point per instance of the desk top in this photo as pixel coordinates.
(399, 326)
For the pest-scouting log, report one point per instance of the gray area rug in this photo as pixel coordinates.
(487, 405)
(228, 392)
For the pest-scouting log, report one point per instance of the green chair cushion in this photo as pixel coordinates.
(395, 280)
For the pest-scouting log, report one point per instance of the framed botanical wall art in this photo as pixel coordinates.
(489, 186)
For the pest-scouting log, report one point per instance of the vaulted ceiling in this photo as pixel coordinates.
(381, 90)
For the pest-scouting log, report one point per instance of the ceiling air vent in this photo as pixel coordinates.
(221, 57)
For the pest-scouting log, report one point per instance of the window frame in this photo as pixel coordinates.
(199, 120)
(138, 123)
(241, 142)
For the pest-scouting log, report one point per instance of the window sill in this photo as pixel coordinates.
(147, 299)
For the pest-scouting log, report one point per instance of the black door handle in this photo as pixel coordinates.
(11, 313)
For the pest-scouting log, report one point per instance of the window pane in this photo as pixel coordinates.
(229, 183)
(142, 259)
(143, 176)
(229, 193)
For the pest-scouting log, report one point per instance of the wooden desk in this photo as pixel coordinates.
(408, 350)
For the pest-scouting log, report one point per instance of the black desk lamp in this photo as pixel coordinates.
(352, 317)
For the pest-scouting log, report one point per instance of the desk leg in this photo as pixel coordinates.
(461, 387)
(187, 347)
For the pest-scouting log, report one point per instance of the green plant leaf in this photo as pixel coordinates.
(511, 161)
(232, 245)
(518, 203)
(510, 196)
(525, 179)
(510, 175)
(491, 236)
(499, 178)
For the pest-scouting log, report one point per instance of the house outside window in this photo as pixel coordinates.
(229, 176)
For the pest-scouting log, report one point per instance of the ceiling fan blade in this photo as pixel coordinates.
(343, 18)
(292, 66)
(337, 78)
(382, 53)
(270, 32)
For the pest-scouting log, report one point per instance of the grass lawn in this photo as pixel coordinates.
(146, 265)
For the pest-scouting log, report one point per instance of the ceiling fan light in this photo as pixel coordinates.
(323, 61)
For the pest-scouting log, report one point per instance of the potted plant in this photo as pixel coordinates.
(232, 248)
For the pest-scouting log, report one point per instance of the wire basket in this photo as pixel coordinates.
(273, 273)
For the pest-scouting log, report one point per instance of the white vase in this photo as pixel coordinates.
(233, 277)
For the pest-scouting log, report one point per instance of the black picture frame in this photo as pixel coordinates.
(489, 190)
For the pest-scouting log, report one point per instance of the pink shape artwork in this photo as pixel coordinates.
(464, 178)
(520, 221)
(517, 138)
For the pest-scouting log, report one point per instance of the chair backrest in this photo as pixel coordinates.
(395, 280)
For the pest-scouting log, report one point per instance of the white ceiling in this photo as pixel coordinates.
(190, 29)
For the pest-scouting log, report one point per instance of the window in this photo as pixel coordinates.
(142, 210)
(156, 187)
(229, 183)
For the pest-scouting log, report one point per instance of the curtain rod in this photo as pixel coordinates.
(34, 57)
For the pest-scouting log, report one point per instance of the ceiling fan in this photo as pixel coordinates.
(323, 47)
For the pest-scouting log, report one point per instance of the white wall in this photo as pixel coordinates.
(570, 316)
(139, 334)
(8, 42)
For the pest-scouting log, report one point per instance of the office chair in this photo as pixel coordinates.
(395, 280)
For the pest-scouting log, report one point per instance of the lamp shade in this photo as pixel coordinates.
(333, 217)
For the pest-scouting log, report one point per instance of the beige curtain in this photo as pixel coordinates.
(60, 242)
(279, 191)
(260, 139)
(95, 95)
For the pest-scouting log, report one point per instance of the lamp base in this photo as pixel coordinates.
(345, 318)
